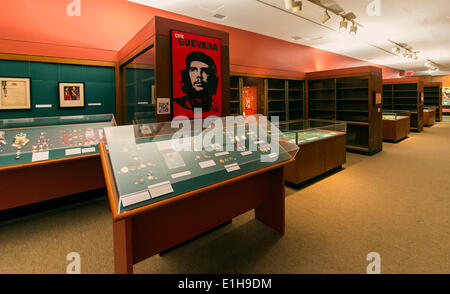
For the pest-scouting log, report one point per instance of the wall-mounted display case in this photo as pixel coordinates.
(186, 179)
(405, 94)
(57, 152)
(396, 125)
(322, 148)
(429, 115)
(352, 96)
(433, 97)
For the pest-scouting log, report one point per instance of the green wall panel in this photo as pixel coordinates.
(99, 84)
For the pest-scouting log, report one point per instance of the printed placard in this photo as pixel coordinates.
(38, 156)
(232, 167)
(182, 174)
(245, 153)
(73, 151)
(160, 189)
(88, 150)
(208, 163)
(221, 153)
(135, 198)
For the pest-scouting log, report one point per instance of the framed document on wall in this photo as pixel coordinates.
(15, 93)
(71, 94)
(196, 74)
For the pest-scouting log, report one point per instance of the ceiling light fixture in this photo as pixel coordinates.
(325, 16)
(343, 25)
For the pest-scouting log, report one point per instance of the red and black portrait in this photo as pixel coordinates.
(196, 73)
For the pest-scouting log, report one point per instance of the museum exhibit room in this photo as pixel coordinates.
(224, 137)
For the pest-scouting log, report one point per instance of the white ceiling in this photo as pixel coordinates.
(423, 25)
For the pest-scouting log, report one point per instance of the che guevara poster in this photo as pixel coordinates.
(196, 74)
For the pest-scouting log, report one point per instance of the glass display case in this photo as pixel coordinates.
(155, 161)
(305, 131)
(396, 115)
(25, 140)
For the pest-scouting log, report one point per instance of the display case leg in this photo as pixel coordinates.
(123, 252)
(272, 212)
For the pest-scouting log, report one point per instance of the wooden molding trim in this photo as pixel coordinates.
(241, 74)
(48, 59)
(47, 162)
(138, 50)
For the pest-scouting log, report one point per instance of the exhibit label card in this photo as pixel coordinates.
(221, 153)
(88, 150)
(206, 164)
(232, 167)
(246, 153)
(73, 151)
(135, 198)
(182, 174)
(38, 156)
(160, 189)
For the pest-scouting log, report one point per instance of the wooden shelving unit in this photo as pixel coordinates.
(235, 95)
(348, 95)
(405, 94)
(432, 92)
(285, 99)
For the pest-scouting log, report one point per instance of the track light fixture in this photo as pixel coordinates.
(353, 28)
(408, 52)
(396, 50)
(297, 5)
(431, 65)
(294, 5)
(343, 25)
(325, 16)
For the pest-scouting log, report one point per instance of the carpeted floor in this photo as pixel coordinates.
(396, 203)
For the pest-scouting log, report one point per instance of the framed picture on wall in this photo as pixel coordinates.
(15, 93)
(71, 94)
(196, 74)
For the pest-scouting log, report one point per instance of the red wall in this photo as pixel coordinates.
(104, 27)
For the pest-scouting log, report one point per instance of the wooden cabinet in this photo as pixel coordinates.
(432, 93)
(405, 94)
(349, 95)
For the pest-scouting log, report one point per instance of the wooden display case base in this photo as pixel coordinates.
(429, 118)
(41, 181)
(396, 130)
(149, 232)
(316, 158)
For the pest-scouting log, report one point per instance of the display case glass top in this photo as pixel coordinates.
(429, 108)
(396, 115)
(306, 131)
(26, 140)
(153, 162)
